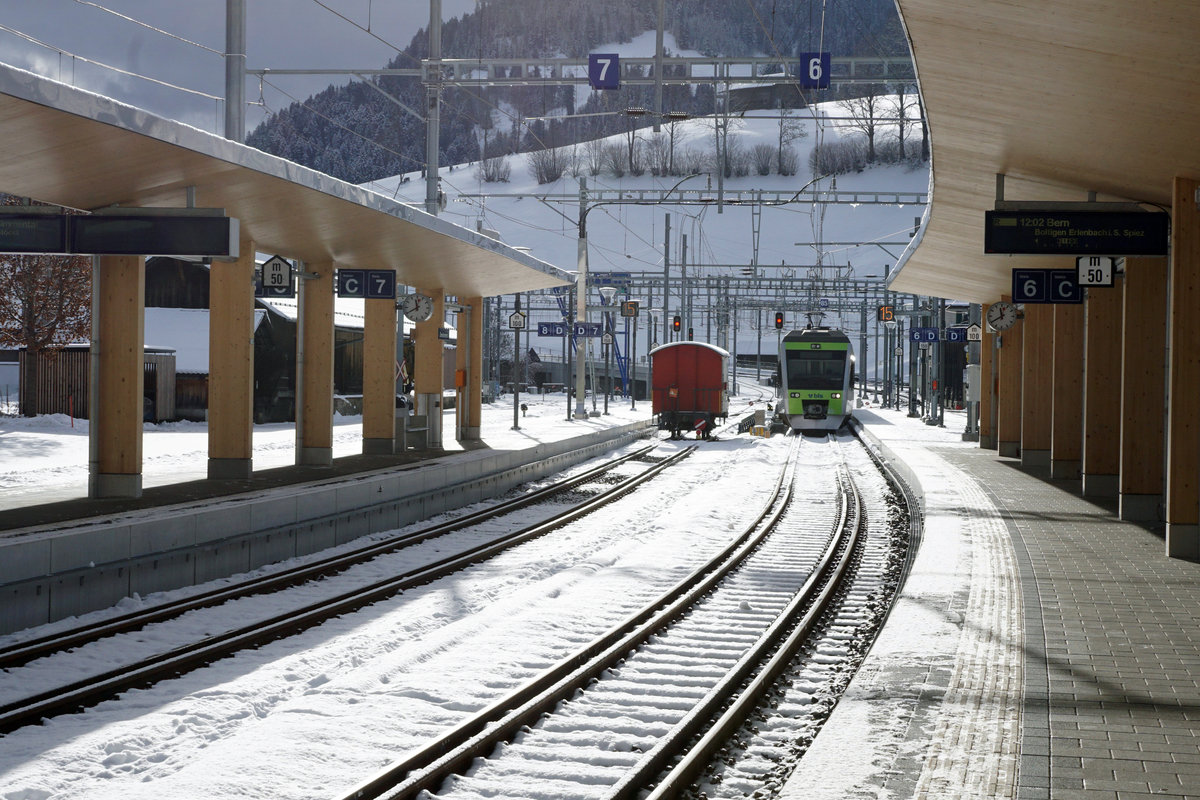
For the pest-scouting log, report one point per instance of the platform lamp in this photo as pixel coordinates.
(606, 292)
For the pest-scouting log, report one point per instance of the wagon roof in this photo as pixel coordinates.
(720, 351)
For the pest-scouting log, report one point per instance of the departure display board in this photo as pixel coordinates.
(33, 233)
(153, 235)
(1109, 233)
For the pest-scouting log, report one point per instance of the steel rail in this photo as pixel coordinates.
(785, 638)
(426, 768)
(183, 659)
(23, 652)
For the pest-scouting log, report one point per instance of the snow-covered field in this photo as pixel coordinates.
(45, 459)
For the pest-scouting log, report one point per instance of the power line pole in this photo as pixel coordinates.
(235, 70)
(433, 92)
(581, 295)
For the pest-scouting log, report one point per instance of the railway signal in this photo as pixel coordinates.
(676, 323)
(779, 320)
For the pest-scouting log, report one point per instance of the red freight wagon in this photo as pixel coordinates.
(690, 391)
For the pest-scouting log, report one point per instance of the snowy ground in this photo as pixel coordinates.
(45, 459)
(264, 715)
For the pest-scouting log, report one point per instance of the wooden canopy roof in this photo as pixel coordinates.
(1063, 97)
(73, 148)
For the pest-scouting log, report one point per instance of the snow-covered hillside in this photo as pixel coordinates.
(846, 240)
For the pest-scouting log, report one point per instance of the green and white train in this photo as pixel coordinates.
(816, 378)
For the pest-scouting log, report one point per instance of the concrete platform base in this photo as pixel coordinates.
(314, 457)
(1140, 507)
(1100, 485)
(1035, 458)
(114, 485)
(1009, 449)
(1065, 469)
(1183, 541)
(379, 447)
(237, 469)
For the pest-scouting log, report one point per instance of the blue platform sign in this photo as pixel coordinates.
(923, 334)
(590, 329)
(552, 329)
(381, 284)
(814, 73)
(610, 278)
(956, 334)
(604, 70)
(1046, 286)
(368, 283)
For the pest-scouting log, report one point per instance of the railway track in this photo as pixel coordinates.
(669, 684)
(757, 759)
(94, 688)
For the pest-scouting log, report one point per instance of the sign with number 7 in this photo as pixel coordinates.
(604, 70)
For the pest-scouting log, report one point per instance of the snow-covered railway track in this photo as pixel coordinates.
(25, 650)
(61, 697)
(609, 720)
(757, 758)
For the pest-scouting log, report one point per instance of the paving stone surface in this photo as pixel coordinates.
(1060, 657)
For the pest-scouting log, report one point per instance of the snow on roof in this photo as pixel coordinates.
(348, 312)
(718, 350)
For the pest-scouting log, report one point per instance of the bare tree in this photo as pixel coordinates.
(864, 113)
(763, 156)
(790, 129)
(550, 164)
(789, 162)
(614, 159)
(673, 134)
(658, 154)
(736, 158)
(495, 169)
(903, 102)
(593, 155)
(493, 166)
(45, 304)
(691, 161)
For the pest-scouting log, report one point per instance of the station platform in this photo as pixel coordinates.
(1040, 648)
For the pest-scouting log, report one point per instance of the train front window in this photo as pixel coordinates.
(816, 369)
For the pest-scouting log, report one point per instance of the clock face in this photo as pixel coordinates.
(417, 307)
(1001, 316)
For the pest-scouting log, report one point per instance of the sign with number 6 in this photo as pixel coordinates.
(816, 70)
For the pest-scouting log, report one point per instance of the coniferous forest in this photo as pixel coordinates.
(356, 133)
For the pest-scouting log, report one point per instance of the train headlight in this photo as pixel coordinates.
(836, 395)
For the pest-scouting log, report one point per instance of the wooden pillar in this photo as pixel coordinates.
(469, 365)
(1101, 391)
(429, 368)
(1037, 385)
(1008, 396)
(1183, 416)
(379, 377)
(231, 366)
(118, 335)
(989, 382)
(1066, 436)
(1143, 388)
(314, 359)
